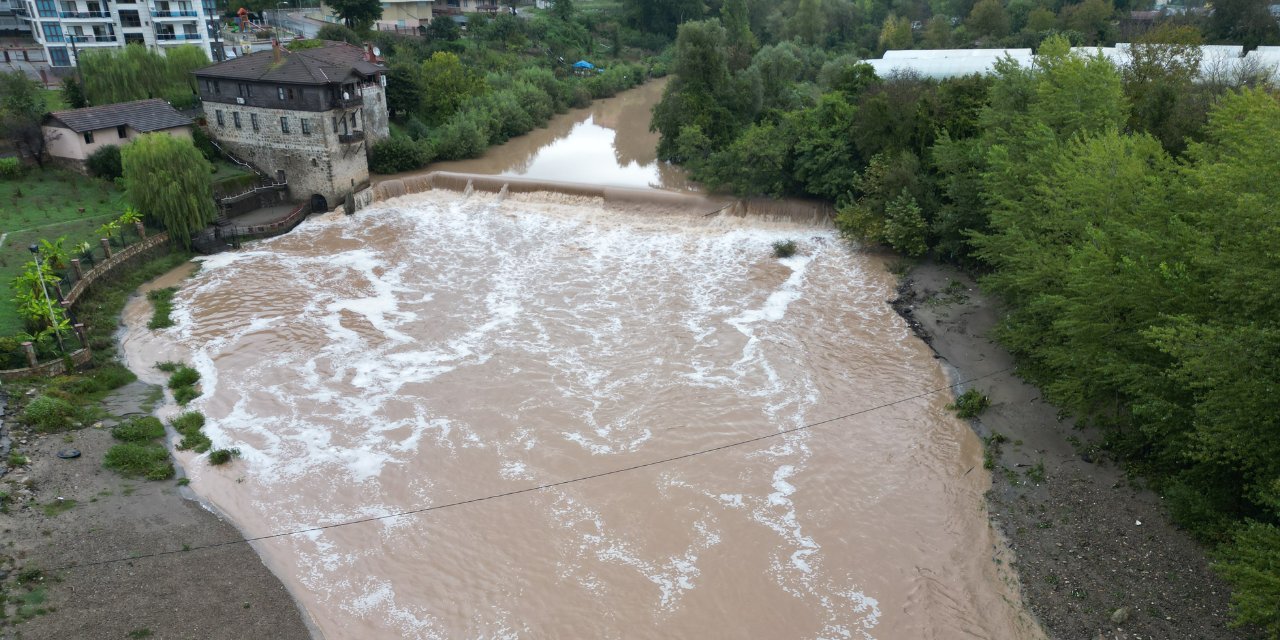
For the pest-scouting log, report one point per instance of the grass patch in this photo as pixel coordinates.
(189, 425)
(168, 366)
(991, 449)
(784, 248)
(150, 461)
(46, 205)
(58, 506)
(1035, 473)
(970, 403)
(183, 376)
(49, 414)
(182, 379)
(162, 306)
(222, 456)
(139, 430)
(17, 459)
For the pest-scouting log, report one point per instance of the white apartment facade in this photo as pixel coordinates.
(64, 28)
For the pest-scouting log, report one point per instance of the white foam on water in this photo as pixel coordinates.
(439, 288)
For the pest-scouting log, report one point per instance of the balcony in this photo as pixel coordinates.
(177, 37)
(84, 15)
(174, 14)
(348, 138)
(91, 39)
(348, 103)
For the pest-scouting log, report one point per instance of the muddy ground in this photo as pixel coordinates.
(1096, 554)
(63, 513)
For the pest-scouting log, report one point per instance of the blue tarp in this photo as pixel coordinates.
(583, 64)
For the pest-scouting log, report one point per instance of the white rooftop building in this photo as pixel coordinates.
(66, 27)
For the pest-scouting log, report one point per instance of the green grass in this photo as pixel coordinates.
(162, 306)
(139, 430)
(222, 456)
(970, 403)
(182, 380)
(189, 425)
(58, 506)
(45, 205)
(50, 414)
(53, 99)
(150, 461)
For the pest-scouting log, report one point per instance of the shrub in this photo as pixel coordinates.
(1251, 563)
(784, 248)
(189, 425)
(11, 354)
(183, 395)
(48, 414)
(223, 456)
(970, 403)
(139, 430)
(105, 163)
(202, 142)
(183, 376)
(396, 154)
(464, 136)
(11, 168)
(150, 461)
(162, 306)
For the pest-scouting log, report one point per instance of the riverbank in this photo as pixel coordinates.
(1096, 554)
(74, 513)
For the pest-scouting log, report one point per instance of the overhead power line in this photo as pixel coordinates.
(533, 489)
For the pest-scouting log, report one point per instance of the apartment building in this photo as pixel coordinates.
(10, 23)
(66, 27)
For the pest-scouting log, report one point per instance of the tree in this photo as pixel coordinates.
(562, 9)
(357, 14)
(22, 110)
(661, 16)
(1247, 22)
(73, 92)
(137, 73)
(444, 29)
(1092, 18)
(342, 33)
(701, 94)
(937, 33)
(737, 26)
(446, 84)
(988, 20)
(806, 24)
(1160, 82)
(1040, 20)
(404, 89)
(167, 179)
(895, 33)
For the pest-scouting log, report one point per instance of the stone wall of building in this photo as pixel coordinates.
(317, 162)
(377, 116)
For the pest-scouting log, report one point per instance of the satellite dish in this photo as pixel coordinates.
(377, 51)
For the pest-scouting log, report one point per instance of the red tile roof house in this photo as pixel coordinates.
(74, 135)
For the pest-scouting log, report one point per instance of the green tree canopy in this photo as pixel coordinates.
(988, 20)
(446, 84)
(138, 73)
(357, 14)
(22, 109)
(167, 179)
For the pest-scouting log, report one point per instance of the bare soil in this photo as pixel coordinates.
(1096, 554)
(64, 516)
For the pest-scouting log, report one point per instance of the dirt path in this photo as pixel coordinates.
(1097, 557)
(67, 512)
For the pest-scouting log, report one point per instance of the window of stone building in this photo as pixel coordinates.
(122, 132)
(306, 126)
(284, 124)
(245, 90)
(217, 88)
(88, 137)
(253, 121)
(235, 118)
(218, 114)
(285, 93)
(335, 124)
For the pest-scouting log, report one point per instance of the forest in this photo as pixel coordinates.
(1124, 215)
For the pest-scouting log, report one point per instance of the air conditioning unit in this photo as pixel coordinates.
(239, 100)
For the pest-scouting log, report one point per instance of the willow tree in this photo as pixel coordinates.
(167, 179)
(137, 73)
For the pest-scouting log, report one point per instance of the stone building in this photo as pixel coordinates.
(303, 117)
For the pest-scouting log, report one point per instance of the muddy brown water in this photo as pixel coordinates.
(443, 347)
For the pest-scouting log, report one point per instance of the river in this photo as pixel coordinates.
(595, 418)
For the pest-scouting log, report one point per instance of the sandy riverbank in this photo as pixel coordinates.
(223, 592)
(1097, 555)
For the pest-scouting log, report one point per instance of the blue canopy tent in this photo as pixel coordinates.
(583, 64)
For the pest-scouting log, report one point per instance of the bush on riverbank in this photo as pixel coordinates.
(161, 307)
(49, 414)
(146, 460)
(139, 430)
(189, 426)
(182, 380)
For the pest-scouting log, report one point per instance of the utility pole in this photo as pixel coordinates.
(53, 321)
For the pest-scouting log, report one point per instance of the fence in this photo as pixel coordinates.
(80, 282)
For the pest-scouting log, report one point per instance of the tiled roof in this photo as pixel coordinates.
(142, 115)
(334, 62)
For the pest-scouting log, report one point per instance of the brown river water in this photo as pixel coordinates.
(444, 347)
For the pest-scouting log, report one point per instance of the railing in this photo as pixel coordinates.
(91, 39)
(347, 103)
(84, 14)
(178, 36)
(348, 138)
(173, 14)
(280, 226)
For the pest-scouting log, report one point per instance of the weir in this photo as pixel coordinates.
(807, 212)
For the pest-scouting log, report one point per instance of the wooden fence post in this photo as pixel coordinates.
(30, 350)
(75, 268)
(106, 247)
(142, 231)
